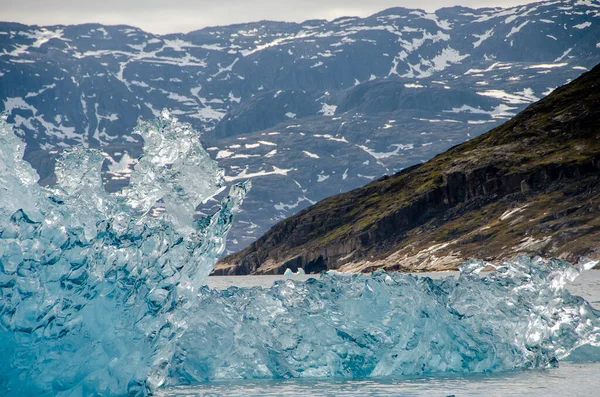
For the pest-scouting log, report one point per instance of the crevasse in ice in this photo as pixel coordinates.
(100, 297)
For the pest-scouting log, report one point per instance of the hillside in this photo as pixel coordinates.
(531, 185)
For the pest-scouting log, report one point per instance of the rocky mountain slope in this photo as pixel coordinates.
(308, 109)
(531, 185)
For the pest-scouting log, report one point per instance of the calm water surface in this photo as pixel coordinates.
(570, 379)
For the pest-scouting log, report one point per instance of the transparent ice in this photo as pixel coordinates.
(102, 295)
(94, 289)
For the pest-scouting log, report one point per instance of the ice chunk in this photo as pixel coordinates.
(382, 325)
(93, 288)
(289, 273)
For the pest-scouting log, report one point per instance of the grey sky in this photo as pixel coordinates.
(184, 15)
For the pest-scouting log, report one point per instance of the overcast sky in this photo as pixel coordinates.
(160, 16)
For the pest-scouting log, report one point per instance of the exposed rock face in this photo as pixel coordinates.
(531, 185)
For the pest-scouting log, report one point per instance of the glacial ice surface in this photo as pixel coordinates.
(98, 296)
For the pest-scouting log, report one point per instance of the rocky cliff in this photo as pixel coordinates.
(531, 185)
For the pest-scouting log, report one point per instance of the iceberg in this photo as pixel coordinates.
(101, 295)
(289, 273)
(388, 325)
(94, 287)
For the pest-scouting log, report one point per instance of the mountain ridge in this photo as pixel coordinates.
(459, 200)
(89, 84)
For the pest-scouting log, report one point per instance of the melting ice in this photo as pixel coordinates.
(100, 297)
(95, 290)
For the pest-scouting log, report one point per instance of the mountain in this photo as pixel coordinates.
(531, 185)
(307, 110)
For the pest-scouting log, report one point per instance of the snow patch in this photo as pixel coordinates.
(548, 91)
(443, 24)
(517, 29)
(547, 65)
(331, 138)
(520, 97)
(208, 114)
(227, 68)
(18, 103)
(321, 177)
(178, 44)
(44, 88)
(560, 58)
(495, 65)
(495, 14)
(267, 143)
(244, 156)
(478, 122)
(233, 98)
(383, 155)
(328, 110)
(271, 153)
(500, 111)
(371, 177)
(312, 155)
(248, 175)
(212, 47)
(223, 154)
(447, 57)
(483, 37)
(44, 35)
(287, 207)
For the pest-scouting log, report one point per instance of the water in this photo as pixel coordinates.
(568, 380)
(102, 295)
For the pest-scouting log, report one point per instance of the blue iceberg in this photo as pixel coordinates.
(102, 295)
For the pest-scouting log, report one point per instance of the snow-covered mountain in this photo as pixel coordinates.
(306, 110)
